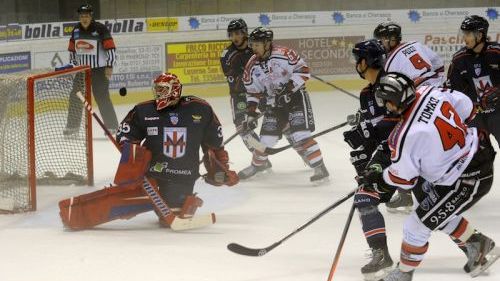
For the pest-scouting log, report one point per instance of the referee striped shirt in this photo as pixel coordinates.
(93, 46)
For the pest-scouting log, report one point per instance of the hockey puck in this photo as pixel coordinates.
(123, 91)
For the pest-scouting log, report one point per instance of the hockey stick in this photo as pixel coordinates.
(270, 151)
(335, 87)
(239, 130)
(178, 223)
(341, 243)
(257, 252)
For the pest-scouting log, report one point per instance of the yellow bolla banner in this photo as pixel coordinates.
(162, 24)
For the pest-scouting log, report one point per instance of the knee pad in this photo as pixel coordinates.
(415, 232)
(299, 136)
(269, 141)
(367, 210)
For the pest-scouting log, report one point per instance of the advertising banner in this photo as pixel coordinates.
(15, 62)
(137, 66)
(162, 24)
(196, 62)
(325, 55)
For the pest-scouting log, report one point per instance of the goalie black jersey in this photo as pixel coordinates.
(173, 135)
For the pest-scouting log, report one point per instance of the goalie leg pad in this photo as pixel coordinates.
(108, 204)
(134, 163)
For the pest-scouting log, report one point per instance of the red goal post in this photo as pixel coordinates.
(45, 135)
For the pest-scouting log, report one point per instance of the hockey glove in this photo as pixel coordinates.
(251, 117)
(359, 159)
(489, 98)
(283, 93)
(354, 119)
(373, 180)
(359, 134)
(216, 164)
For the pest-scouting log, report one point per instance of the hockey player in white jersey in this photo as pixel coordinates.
(417, 62)
(432, 141)
(278, 75)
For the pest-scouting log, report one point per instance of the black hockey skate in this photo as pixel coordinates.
(320, 174)
(401, 202)
(398, 275)
(481, 253)
(379, 266)
(251, 170)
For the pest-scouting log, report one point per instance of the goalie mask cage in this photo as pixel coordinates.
(35, 149)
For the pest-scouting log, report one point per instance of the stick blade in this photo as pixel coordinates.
(242, 250)
(193, 223)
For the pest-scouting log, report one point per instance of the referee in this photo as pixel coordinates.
(91, 44)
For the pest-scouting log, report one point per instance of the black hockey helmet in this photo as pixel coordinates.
(85, 8)
(388, 29)
(261, 34)
(396, 88)
(475, 23)
(372, 51)
(237, 24)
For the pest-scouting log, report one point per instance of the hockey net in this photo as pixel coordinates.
(35, 150)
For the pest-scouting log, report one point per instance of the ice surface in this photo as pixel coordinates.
(255, 213)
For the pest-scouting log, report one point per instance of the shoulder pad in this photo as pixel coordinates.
(459, 53)
(280, 50)
(493, 46)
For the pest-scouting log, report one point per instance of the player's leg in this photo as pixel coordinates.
(269, 135)
(75, 107)
(238, 109)
(179, 196)
(100, 91)
(101, 206)
(373, 225)
(441, 213)
(301, 124)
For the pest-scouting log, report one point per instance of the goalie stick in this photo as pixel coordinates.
(257, 252)
(178, 224)
(256, 144)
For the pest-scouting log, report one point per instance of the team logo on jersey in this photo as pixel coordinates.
(196, 118)
(477, 69)
(482, 83)
(174, 142)
(174, 118)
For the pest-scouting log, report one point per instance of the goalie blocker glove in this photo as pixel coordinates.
(216, 164)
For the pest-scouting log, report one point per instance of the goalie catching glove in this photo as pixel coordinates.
(218, 173)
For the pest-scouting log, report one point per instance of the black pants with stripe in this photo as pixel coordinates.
(443, 202)
(100, 92)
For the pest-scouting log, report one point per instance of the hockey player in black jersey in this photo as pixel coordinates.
(372, 128)
(173, 128)
(475, 71)
(233, 61)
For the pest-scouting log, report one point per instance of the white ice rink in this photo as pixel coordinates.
(255, 213)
